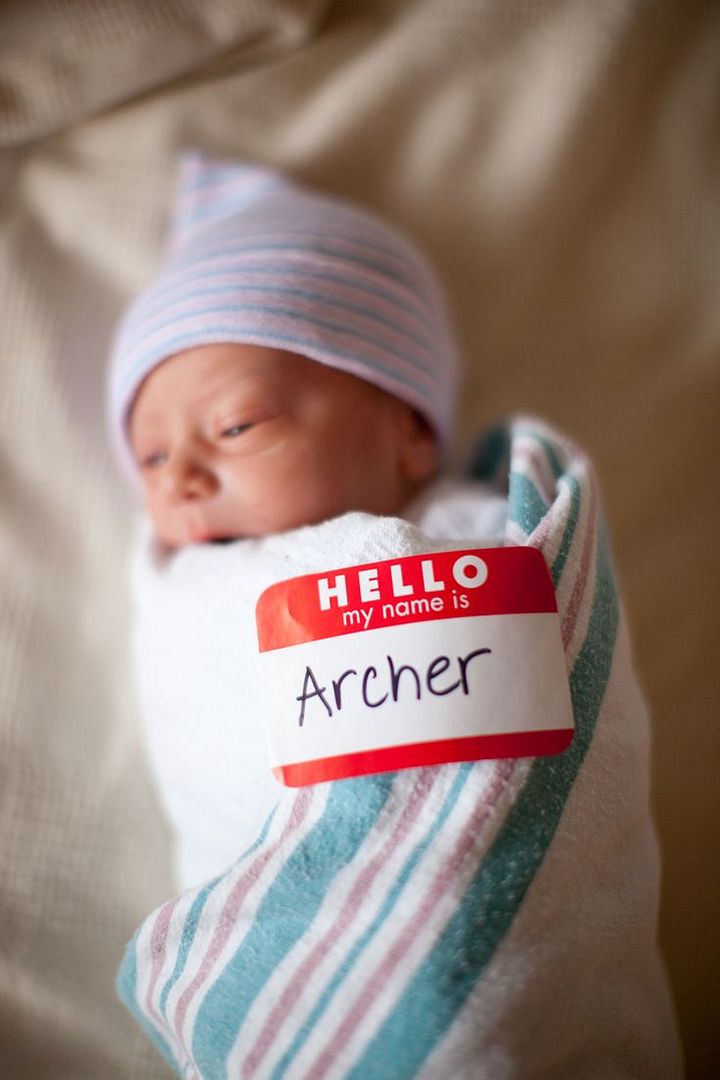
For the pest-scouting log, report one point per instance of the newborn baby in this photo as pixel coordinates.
(281, 396)
(291, 364)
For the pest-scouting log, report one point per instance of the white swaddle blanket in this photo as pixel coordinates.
(195, 649)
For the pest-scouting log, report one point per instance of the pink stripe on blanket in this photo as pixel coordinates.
(539, 466)
(541, 472)
(403, 941)
(226, 920)
(158, 942)
(570, 615)
(358, 892)
(541, 535)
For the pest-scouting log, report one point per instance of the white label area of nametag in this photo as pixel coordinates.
(421, 660)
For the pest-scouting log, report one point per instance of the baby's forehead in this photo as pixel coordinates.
(200, 375)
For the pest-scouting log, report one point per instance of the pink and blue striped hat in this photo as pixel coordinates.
(258, 259)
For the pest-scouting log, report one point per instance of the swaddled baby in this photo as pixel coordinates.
(291, 364)
(282, 396)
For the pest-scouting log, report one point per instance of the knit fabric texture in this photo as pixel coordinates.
(256, 258)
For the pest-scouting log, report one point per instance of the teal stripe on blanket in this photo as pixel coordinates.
(550, 452)
(412, 861)
(491, 456)
(126, 986)
(192, 921)
(285, 914)
(558, 472)
(526, 505)
(434, 997)
(188, 936)
(567, 538)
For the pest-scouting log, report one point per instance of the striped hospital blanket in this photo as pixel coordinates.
(488, 919)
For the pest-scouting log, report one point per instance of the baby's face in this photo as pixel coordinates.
(240, 440)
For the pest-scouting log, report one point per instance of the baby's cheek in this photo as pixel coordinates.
(154, 508)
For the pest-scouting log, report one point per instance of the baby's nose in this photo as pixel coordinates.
(188, 478)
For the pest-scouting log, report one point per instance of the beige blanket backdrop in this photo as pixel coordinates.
(559, 160)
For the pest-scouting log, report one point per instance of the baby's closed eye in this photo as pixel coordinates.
(233, 430)
(151, 461)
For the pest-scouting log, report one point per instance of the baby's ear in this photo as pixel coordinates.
(419, 455)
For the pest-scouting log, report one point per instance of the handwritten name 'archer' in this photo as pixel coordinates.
(375, 687)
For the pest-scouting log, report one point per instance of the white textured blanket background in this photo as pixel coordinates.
(558, 160)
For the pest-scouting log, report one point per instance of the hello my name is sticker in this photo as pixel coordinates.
(423, 660)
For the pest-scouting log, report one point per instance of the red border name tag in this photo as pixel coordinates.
(422, 660)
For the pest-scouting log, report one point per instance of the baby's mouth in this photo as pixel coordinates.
(202, 536)
(197, 531)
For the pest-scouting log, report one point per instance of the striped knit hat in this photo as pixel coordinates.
(257, 259)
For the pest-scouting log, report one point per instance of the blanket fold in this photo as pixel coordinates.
(487, 919)
(64, 62)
